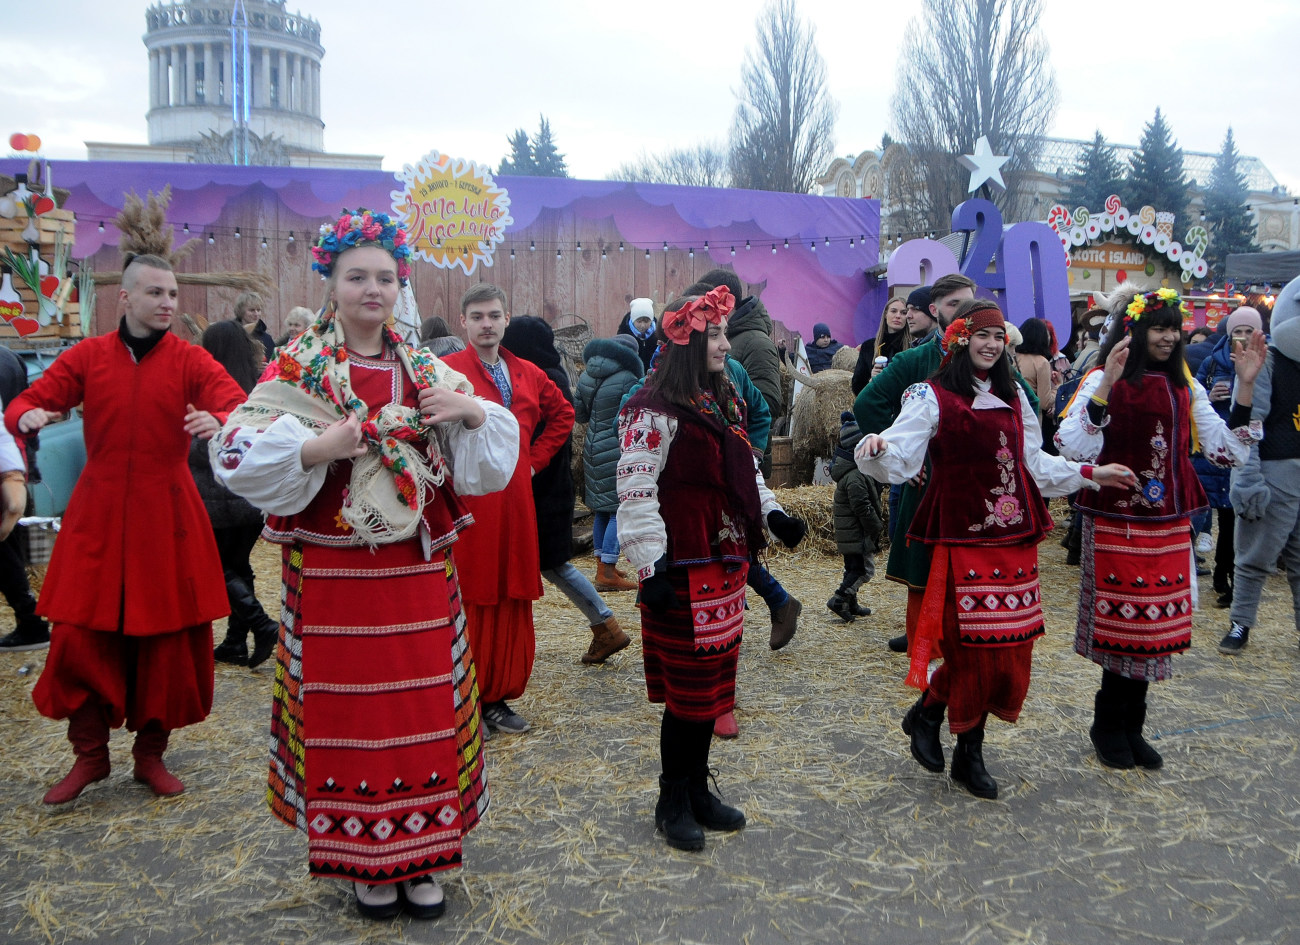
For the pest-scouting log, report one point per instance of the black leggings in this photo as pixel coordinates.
(684, 746)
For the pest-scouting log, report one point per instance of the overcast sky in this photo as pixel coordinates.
(616, 78)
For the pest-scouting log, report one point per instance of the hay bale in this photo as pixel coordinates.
(815, 420)
(813, 504)
(846, 359)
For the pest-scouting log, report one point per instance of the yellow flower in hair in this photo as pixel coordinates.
(1167, 294)
(1136, 308)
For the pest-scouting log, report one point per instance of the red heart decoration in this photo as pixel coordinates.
(42, 204)
(25, 326)
(49, 285)
(11, 310)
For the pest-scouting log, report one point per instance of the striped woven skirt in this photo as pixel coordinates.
(375, 744)
(1135, 599)
(691, 650)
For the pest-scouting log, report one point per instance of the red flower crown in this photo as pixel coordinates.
(709, 309)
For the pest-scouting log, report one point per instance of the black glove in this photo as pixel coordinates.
(657, 591)
(789, 530)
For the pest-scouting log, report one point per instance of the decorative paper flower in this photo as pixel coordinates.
(709, 309)
(359, 228)
(958, 333)
(1153, 302)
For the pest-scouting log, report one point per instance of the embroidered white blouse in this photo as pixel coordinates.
(1078, 438)
(918, 421)
(641, 532)
(271, 476)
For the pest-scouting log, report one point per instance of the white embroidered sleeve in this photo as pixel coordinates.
(644, 438)
(483, 459)
(908, 438)
(265, 467)
(1220, 445)
(1078, 439)
(1055, 475)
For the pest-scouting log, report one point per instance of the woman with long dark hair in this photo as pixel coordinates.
(1138, 571)
(236, 524)
(892, 337)
(693, 509)
(983, 514)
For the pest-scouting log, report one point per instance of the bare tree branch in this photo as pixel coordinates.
(704, 165)
(783, 133)
(970, 68)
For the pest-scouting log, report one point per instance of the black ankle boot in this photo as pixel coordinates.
(264, 641)
(922, 724)
(234, 648)
(1144, 756)
(968, 765)
(1107, 732)
(246, 613)
(841, 606)
(707, 807)
(673, 815)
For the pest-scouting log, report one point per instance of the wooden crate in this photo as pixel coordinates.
(47, 225)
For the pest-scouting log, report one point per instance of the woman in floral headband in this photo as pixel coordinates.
(692, 508)
(345, 444)
(983, 514)
(1138, 571)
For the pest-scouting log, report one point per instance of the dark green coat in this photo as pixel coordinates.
(859, 521)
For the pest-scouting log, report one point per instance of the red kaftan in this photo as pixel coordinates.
(498, 555)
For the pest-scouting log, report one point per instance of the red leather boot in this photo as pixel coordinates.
(88, 733)
(150, 743)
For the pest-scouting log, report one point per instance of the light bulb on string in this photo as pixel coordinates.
(263, 242)
(620, 246)
(733, 251)
(187, 228)
(211, 239)
(101, 226)
(602, 253)
(532, 246)
(579, 245)
(828, 241)
(850, 242)
(812, 245)
(773, 249)
(665, 246)
(237, 236)
(746, 244)
(787, 244)
(291, 239)
(691, 254)
(647, 252)
(558, 253)
(512, 252)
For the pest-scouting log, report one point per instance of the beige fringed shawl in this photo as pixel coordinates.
(310, 382)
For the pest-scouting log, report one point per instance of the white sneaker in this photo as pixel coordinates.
(424, 898)
(377, 902)
(1204, 543)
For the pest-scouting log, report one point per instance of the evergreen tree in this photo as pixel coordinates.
(1097, 174)
(1156, 175)
(520, 162)
(547, 160)
(1226, 217)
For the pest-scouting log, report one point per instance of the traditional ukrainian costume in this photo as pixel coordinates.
(375, 733)
(982, 516)
(1138, 570)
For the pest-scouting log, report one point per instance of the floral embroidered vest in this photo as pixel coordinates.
(979, 491)
(1149, 432)
(377, 381)
(708, 497)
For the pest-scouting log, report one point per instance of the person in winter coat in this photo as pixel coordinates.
(1216, 375)
(859, 523)
(750, 332)
(530, 338)
(823, 348)
(612, 367)
(236, 524)
(248, 312)
(639, 322)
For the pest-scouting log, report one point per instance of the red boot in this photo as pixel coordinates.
(88, 732)
(150, 743)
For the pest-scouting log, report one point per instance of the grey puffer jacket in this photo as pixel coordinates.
(612, 368)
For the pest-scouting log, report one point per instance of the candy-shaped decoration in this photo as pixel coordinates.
(1148, 234)
(1134, 226)
(1147, 214)
(1161, 241)
(1093, 229)
(1081, 216)
(1113, 203)
(1121, 218)
(1058, 218)
(920, 262)
(1199, 237)
(1175, 251)
(1165, 223)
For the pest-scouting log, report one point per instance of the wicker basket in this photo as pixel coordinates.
(571, 340)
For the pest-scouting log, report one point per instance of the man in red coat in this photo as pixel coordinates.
(501, 573)
(135, 580)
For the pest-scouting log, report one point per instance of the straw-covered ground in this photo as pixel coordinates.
(848, 839)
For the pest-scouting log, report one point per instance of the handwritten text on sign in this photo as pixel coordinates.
(454, 212)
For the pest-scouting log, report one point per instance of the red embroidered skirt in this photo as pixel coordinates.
(504, 644)
(691, 651)
(165, 678)
(990, 618)
(376, 751)
(1135, 599)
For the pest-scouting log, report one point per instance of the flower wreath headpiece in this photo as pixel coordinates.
(361, 227)
(709, 309)
(960, 331)
(1153, 302)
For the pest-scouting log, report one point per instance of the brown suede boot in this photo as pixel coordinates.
(607, 639)
(88, 732)
(150, 743)
(607, 579)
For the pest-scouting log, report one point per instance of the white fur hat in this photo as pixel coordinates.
(641, 308)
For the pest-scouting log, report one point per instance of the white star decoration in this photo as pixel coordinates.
(984, 166)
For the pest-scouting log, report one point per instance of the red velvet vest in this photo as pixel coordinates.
(980, 492)
(1150, 433)
(708, 497)
(377, 382)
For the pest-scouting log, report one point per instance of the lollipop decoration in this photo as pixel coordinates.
(1150, 227)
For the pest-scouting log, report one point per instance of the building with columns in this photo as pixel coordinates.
(233, 81)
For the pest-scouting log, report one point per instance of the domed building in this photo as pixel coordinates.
(233, 82)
